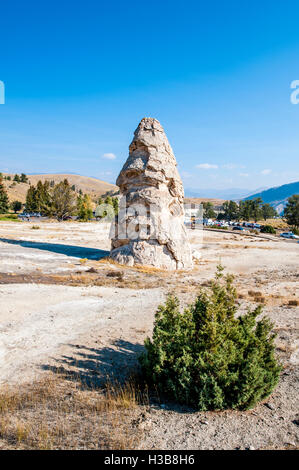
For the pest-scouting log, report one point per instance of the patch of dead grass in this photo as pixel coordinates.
(149, 269)
(56, 413)
(253, 293)
(107, 260)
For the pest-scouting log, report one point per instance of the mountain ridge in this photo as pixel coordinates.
(277, 196)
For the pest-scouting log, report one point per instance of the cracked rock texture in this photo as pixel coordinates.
(150, 229)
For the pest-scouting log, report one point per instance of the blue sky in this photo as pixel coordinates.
(79, 76)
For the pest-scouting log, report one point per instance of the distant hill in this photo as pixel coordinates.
(199, 200)
(224, 194)
(277, 196)
(92, 186)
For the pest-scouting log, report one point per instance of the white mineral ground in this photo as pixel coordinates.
(98, 330)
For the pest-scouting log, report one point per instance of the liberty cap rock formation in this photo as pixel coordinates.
(149, 229)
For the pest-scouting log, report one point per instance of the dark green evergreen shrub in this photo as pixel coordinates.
(268, 229)
(207, 357)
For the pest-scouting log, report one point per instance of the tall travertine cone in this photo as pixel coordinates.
(150, 227)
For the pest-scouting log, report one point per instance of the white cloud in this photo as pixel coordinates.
(266, 172)
(109, 156)
(245, 175)
(206, 166)
(229, 166)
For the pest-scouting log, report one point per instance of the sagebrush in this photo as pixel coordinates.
(268, 229)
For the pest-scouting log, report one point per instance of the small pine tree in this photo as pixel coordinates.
(63, 201)
(268, 211)
(209, 212)
(207, 357)
(4, 201)
(84, 207)
(230, 211)
(17, 179)
(16, 206)
(23, 178)
(109, 200)
(115, 205)
(291, 211)
(43, 197)
(31, 200)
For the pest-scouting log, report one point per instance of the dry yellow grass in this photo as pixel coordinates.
(269, 299)
(200, 200)
(276, 223)
(59, 413)
(149, 269)
(106, 260)
(253, 293)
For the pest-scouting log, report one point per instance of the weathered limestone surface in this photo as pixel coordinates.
(150, 227)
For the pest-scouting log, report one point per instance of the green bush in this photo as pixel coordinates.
(8, 217)
(206, 357)
(268, 229)
(218, 226)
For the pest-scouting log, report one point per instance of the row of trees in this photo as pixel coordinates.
(22, 178)
(61, 201)
(246, 210)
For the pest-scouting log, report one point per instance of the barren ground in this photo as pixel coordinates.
(64, 305)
